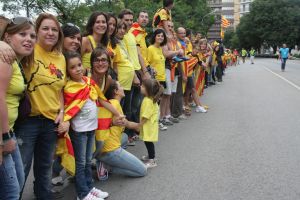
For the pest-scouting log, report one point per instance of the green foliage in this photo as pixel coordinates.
(270, 22)
(187, 13)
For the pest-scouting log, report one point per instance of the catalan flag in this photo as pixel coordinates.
(225, 22)
(75, 96)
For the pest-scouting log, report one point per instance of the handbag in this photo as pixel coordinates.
(24, 109)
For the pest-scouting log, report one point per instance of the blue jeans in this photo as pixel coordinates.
(9, 185)
(123, 162)
(16, 156)
(37, 137)
(83, 143)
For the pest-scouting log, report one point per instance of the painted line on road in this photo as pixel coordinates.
(284, 79)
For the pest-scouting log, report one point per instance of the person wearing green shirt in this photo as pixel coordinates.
(244, 54)
(252, 55)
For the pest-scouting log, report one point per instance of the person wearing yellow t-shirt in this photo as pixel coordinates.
(118, 159)
(96, 35)
(45, 81)
(137, 60)
(140, 34)
(163, 15)
(157, 60)
(152, 91)
(20, 38)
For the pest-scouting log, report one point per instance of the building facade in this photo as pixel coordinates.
(245, 7)
(214, 33)
(228, 12)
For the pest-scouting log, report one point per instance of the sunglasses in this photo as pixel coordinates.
(20, 20)
(72, 25)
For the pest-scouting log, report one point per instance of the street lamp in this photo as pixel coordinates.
(212, 12)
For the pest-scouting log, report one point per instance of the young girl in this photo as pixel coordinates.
(80, 95)
(152, 90)
(118, 159)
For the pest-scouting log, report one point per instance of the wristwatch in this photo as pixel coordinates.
(8, 135)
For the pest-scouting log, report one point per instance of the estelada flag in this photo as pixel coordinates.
(225, 22)
(75, 96)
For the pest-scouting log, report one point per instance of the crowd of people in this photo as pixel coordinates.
(69, 97)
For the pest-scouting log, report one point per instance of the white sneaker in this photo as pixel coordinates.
(90, 196)
(162, 127)
(56, 181)
(146, 158)
(182, 117)
(200, 109)
(98, 193)
(151, 163)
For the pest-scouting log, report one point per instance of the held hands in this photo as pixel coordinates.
(63, 127)
(180, 52)
(119, 120)
(136, 81)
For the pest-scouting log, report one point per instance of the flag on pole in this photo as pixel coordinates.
(225, 22)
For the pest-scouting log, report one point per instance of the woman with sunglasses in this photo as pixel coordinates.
(20, 35)
(46, 79)
(96, 35)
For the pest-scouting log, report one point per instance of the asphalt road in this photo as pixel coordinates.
(247, 147)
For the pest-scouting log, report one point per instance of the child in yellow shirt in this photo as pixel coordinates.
(152, 90)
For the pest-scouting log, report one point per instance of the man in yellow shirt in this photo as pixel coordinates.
(140, 34)
(163, 15)
(126, 16)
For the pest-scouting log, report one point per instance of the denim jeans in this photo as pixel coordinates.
(124, 163)
(9, 185)
(37, 137)
(16, 156)
(83, 151)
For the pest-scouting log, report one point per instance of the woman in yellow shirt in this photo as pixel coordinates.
(120, 160)
(157, 60)
(45, 79)
(20, 35)
(96, 35)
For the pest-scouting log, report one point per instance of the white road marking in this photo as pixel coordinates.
(281, 77)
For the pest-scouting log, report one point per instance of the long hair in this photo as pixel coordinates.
(112, 38)
(90, 24)
(12, 29)
(59, 44)
(153, 89)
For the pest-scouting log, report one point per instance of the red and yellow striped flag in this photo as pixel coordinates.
(225, 22)
(75, 96)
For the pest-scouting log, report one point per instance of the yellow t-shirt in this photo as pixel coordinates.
(46, 79)
(140, 38)
(130, 43)
(125, 66)
(157, 60)
(149, 111)
(14, 93)
(113, 142)
(164, 15)
(86, 58)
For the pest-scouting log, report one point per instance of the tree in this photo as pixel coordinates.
(271, 22)
(187, 13)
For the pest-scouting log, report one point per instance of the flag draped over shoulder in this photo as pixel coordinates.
(75, 96)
